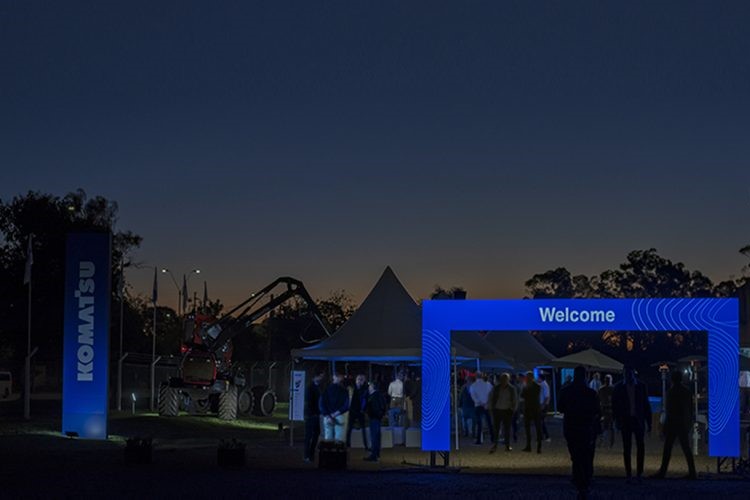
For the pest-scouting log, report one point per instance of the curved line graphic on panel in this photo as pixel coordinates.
(436, 371)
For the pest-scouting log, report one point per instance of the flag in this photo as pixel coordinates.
(205, 297)
(184, 293)
(29, 262)
(155, 294)
(120, 283)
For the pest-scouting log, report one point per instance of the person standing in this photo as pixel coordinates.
(544, 399)
(375, 410)
(334, 406)
(503, 403)
(516, 383)
(677, 425)
(580, 407)
(605, 403)
(357, 410)
(532, 411)
(466, 404)
(480, 393)
(596, 382)
(396, 395)
(312, 415)
(632, 413)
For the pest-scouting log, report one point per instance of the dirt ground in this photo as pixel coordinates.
(38, 463)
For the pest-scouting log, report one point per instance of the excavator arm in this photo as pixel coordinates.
(217, 334)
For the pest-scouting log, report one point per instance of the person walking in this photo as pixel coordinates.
(375, 410)
(605, 403)
(532, 411)
(480, 393)
(312, 415)
(632, 413)
(503, 403)
(677, 424)
(357, 410)
(580, 407)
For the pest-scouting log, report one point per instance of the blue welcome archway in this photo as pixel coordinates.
(719, 318)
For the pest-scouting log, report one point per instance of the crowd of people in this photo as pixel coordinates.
(593, 409)
(587, 411)
(501, 403)
(339, 408)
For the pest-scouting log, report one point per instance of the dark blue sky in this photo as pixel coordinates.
(463, 143)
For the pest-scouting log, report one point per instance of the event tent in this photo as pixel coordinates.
(387, 327)
(590, 358)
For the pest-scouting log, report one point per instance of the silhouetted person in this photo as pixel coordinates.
(312, 415)
(544, 399)
(677, 425)
(605, 403)
(632, 414)
(503, 403)
(580, 406)
(375, 409)
(532, 411)
(466, 404)
(357, 410)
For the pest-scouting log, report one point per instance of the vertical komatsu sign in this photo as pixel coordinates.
(86, 335)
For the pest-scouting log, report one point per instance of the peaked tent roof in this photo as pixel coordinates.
(590, 358)
(387, 326)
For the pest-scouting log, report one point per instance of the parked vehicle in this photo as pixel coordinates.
(208, 381)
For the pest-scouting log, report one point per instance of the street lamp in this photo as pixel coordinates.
(179, 292)
(182, 295)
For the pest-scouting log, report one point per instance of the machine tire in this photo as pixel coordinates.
(197, 407)
(245, 402)
(264, 401)
(228, 403)
(169, 401)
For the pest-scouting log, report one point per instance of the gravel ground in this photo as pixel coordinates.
(38, 463)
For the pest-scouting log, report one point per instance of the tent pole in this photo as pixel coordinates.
(478, 367)
(455, 396)
(554, 388)
(369, 371)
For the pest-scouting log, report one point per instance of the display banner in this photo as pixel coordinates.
(719, 318)
(86, 335)
(297, 408)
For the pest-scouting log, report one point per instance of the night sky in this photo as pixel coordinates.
(462, 143)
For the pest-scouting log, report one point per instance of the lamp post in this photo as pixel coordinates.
(182, 295)
(179, 292)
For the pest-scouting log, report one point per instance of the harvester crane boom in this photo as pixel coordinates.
(215, 335)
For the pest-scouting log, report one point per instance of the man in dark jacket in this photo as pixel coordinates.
(312, 415)
(632, 413)
(503, 403)
(334, 406)
(375, 409)
(580, 406)
(357, 410)
(677, 425)
(532, 411)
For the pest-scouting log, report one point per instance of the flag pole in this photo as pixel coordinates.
(27, 366)
(153, 340)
